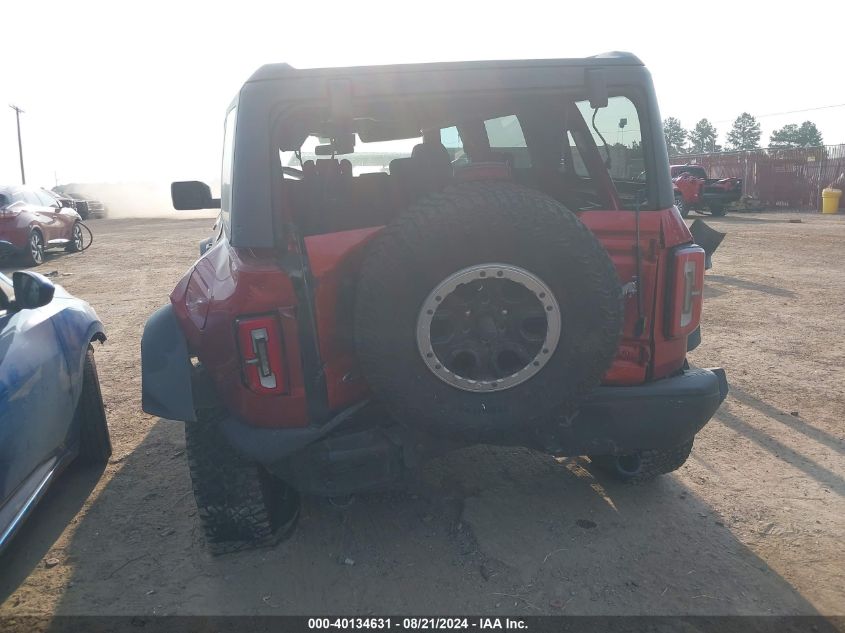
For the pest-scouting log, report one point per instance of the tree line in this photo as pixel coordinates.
(744, 135)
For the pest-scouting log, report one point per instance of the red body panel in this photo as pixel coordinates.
(335, 259)
(239, 284)
(17, 223)
(690, 188)
(227, 284)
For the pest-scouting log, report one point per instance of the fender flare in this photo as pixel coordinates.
(166, 389)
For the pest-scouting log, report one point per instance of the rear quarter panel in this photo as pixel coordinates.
(15, 228)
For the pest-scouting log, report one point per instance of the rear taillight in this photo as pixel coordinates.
(686, 290)
(260, 343)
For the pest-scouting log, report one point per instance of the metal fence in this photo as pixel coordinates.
(791, 178)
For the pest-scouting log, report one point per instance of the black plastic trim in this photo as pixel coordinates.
(612, 420)
(658, 415)
(166, 372)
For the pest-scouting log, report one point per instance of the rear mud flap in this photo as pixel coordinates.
(707, 238)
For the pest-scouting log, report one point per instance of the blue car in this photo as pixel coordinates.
(51, 410)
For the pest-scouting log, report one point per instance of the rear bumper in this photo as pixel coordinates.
(612, 420)
(657, 415)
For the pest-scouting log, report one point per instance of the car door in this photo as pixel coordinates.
(44, 215)
(36, 401)
(52, 212)
(66, 215)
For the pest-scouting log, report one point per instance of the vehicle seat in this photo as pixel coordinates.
(428, 169)
(326, 194)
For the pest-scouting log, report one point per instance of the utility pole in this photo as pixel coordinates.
(18, 113)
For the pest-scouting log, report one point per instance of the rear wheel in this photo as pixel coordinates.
(75, 244)
(34, 254)
(718, 210)
(643, 466)
(682, 207)
(241, 506)
(94, 442)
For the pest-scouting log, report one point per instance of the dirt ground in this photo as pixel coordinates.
(753, 524)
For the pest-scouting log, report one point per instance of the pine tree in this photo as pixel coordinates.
(676, 135)
(745, 133)
(703, 137)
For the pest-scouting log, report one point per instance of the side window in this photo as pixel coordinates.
(614, 131)
(451, 139)
(618, 125)
(46, 199)
(505, 135)
(228, 162)
(30, 198)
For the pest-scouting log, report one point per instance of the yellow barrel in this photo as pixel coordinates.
(830, 200)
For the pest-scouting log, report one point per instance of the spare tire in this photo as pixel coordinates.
(485, 308)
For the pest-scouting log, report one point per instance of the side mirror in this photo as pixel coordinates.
(191, 195)
(31, 290)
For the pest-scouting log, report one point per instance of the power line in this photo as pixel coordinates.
(760, 116)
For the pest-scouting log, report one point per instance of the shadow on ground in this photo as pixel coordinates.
(744, 284)
(51, 516)
(485, 530)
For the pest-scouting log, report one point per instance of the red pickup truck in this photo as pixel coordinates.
(694, 191)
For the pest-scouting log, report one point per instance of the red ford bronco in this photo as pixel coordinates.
(411, 259)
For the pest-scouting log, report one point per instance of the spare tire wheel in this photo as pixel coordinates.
(484, 308)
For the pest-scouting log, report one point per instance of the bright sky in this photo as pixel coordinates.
(118, 91)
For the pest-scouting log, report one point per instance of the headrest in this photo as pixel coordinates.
(327, 167)
(431, 152)
(400, 166)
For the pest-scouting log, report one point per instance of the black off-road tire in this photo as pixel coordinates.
(241, 506)
(94, 441)
(643, 466)
(468, 225)
(718, 210)
(682, 207)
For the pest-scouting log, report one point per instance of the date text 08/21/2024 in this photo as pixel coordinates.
(417, 624)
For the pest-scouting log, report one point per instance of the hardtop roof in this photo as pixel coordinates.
(269, 72)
